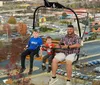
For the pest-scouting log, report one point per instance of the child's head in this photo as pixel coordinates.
(48, 40)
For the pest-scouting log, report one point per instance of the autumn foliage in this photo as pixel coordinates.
(7, 29)
(3, 53)
(17, 48)
(22, 28)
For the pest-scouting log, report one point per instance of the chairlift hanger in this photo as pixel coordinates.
(58, 6)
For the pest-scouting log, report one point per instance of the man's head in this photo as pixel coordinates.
(35, 33)
(70, 30)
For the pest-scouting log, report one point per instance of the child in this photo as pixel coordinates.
(48, 48)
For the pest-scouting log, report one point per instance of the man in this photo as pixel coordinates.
(71, 46)
(32, 48)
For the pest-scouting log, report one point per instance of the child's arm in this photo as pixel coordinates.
(41, 51)
(42, 48)
(51, 45)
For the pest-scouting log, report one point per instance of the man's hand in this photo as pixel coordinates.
(64, 46)
(57, 46)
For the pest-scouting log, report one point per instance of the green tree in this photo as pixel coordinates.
(64, 15)
(12, 20)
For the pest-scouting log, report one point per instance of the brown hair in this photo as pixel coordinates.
(48, 37)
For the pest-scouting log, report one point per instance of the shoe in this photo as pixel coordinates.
(30, 72)
(43, 67)
(49, 69)
(22, 70)
(53, 81)
(68, 83)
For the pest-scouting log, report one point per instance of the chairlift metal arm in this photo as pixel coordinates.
(34, 15)
(56, 5)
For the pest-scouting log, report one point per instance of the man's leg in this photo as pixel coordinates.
(69, 60)
(69, 69)
(57, 58)
(54, 67)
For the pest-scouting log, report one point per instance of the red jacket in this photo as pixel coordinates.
(48, 49)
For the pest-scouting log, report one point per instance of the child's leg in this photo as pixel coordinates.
(44, 61)
(50, 62)
(50, 58)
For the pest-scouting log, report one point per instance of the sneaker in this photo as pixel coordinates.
(53, 81)
(68, 83)
(43, 67)
(22, 70)
(30, 72)
(49, 69)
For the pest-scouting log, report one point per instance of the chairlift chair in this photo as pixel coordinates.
(57, 5)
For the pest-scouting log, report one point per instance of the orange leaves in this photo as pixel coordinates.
(22, 28)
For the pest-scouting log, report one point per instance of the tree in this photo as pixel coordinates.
(22, 28)
(12, 20)
(7, 29)
(64, 15)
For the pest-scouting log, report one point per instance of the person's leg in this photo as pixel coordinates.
(31, 59)
(44, 61)
(50, 59)
(69, 60)
(50, 62)
(37, 52)
(23, 56)
(45, 58)
(33, 52)
(57, 58)
(69, 69)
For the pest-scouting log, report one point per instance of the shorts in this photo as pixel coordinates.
(62, 57)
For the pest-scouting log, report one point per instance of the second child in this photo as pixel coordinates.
(48, 47)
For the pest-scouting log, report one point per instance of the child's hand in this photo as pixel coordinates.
(40, 54)
(57, 46)
(26, 47)
(50, 46)
(40, 48)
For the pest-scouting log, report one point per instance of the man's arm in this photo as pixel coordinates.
(75, 46)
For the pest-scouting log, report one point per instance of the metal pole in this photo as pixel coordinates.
(34, 16)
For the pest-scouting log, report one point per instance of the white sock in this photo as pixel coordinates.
(43, 64)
